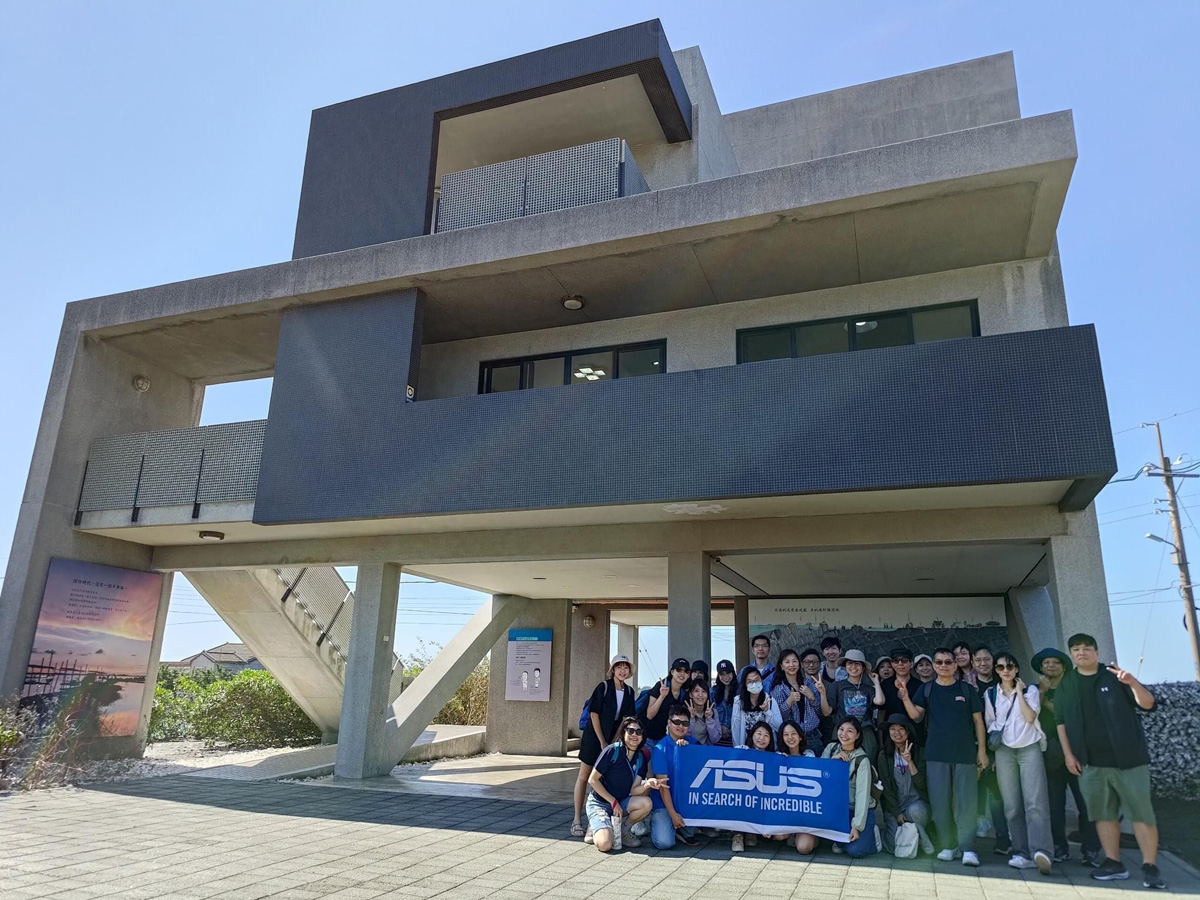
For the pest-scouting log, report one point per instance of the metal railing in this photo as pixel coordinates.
(560, 179)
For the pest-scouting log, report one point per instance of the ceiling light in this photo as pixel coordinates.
(575, 302)
(586, 370)
(862, 327)
(212, 535)
(539, 577)
(693, 509)
(924, 579)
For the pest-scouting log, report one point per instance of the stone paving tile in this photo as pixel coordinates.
(184, 838)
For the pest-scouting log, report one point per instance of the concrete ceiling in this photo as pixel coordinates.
(942, 569)
(656, 617)
(569, 579)
(616, 108)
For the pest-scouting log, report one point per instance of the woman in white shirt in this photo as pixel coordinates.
(751, 706)
(1011, 712)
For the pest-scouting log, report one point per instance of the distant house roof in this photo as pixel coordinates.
(227, 654)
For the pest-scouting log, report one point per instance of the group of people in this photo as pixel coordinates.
(942, 749)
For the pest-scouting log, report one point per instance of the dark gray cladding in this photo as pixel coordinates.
(368, 174)
(1021, 407)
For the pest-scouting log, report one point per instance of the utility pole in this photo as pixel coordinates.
(1180, 555)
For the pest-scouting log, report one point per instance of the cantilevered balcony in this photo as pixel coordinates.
(1011, 419)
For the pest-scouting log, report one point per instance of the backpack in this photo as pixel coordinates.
(876, 783)
(616, 754)
(583, 716)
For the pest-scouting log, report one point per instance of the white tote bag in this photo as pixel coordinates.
(908, 839)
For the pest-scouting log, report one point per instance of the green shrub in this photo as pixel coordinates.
(250, 710)
(469, 704)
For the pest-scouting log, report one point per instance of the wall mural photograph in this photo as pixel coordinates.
(91, 651)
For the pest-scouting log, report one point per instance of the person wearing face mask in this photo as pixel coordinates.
(752, 705)
(1052, 664)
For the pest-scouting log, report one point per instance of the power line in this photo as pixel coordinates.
(1186, 412)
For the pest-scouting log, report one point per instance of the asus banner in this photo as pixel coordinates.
(761, 793)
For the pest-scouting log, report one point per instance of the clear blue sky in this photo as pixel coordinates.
(145, 143)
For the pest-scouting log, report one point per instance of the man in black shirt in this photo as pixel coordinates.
(1096, 709)
(955, 753)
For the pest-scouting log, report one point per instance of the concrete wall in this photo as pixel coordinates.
(590, 654)
(1017, 296)
(1077, 584)
(532, 726)
(90, 394)
(936, 101)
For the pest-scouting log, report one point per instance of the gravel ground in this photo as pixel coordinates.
(169, 758)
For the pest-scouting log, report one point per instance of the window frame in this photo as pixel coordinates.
(486, 367)
(742, 334)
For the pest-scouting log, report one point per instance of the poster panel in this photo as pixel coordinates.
(91, 650)
(528, 664)
(877, 624)
(762, 793)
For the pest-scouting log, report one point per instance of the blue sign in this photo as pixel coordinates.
(762, 793)
(531, 634)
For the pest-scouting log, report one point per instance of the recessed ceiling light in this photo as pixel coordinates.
(212, 535)
(539, 577)
(694, 509)
(924, 579)
(575, 302)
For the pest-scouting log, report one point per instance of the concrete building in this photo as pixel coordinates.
(559, 329)
(230, 656)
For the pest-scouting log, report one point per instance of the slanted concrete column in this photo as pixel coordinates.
(689, 605)
(589, 657)
(1077, 583)
(741, 633)
(534, 727)
(1032, 623)
(627, 642)
(362, 750)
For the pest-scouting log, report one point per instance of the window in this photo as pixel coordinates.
(575, 367)
(865, 332)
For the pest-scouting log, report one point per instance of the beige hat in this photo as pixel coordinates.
(616, 660)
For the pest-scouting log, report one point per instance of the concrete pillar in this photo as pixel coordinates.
(90, 394)
(1077, 583)
(589, 657)
(689, 605)
(1032, 623)
(741, 632)
(627, 642)
(414, 709)
(362, 732)
(534, 727)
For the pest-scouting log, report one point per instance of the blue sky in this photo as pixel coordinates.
(145, 143)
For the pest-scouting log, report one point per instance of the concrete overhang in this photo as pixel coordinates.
(984, 195)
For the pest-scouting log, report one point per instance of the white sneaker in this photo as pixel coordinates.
(641, 829)
(1042, 860)
(1017, 861)
(838, 848)
(946, 855)
(983, 827)
(969, 858)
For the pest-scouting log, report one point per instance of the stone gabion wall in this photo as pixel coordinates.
(1173, 734)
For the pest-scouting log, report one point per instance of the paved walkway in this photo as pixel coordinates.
(182, 838)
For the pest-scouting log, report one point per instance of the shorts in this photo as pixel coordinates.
(599, 813)
(1107, 790)
(589, 747)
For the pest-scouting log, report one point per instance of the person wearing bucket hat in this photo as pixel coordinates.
(883, 667)
(610, 703)
(856, 698)
(1051, 665)
(901, 769)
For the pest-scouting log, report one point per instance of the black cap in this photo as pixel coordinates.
(902, 652)
(700, 665)
(900, 719)
(725, 666)
(681, 662)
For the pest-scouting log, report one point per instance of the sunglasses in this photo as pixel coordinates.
(943, 662)
(633, 731)
(680, 722)
(903, 659)
(1004, 667)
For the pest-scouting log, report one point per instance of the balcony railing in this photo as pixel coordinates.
(575, 176)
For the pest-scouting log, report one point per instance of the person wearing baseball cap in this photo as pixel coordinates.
(722, 695)
(1051, 664)
(923, 667)
(856, 698)
(653, 705)
(610, 703)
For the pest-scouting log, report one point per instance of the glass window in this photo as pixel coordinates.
(588, 367)
(827, 337)
(871, 333)
(647, 361)
(505, 378)
(540, 373)
(760, 345)
(942, 324)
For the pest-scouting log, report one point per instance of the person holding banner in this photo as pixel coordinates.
(667, 825)
(848, 748)
(791, 742)
(761, 737)
(618, 782)
(752, 705)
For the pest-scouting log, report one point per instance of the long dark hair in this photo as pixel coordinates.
(724, 693)
(784, 748)
(761, 725)
(782, 676)
(747, 700)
